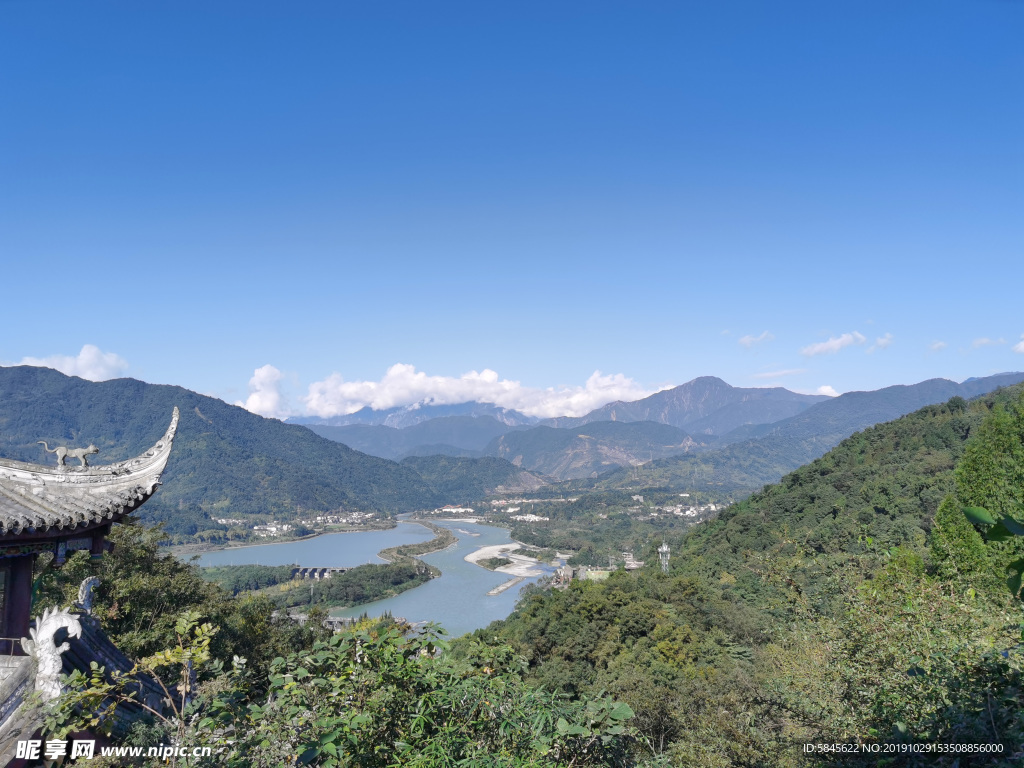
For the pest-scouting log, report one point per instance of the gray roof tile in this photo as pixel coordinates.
(40, 498)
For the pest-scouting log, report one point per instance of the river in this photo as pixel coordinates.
(457, 600)
(335, 550)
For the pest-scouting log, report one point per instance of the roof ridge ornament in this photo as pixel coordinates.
(36, 497)
(63, 452)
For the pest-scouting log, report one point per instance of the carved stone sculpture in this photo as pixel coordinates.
(75, 453)
(85, 591)
(46, 652)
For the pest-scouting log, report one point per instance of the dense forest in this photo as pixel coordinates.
(247, 578)
(273, 693)
(356, 586)
(851, 603)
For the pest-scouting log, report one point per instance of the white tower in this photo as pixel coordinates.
(663, 552)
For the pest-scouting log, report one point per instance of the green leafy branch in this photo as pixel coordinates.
(91, 699)
(1002, 529)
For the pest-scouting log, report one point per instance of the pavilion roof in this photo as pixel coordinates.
(38, 498)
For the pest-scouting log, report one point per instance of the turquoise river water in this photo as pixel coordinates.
(457, 600)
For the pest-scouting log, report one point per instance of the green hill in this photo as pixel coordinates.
(849, 603)
(226, 461)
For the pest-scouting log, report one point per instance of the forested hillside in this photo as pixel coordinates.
(761, 454)
(850, 602)
(271, 693)
(226, 462)
(590, 450)
(464, 480)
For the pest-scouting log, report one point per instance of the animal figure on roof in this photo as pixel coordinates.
(75, 453)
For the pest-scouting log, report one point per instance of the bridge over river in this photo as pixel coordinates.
(315, 572)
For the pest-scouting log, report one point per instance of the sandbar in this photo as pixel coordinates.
(521, 565)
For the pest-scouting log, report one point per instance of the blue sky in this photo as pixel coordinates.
(191, 192)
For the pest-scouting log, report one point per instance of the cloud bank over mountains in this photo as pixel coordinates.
(269, 393)
(90, 363)
(403, 385)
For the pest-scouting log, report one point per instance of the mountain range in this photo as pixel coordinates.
(591, 449)
(405, 416)
(771, 451)
(226, 461)
(706, 405)
(703, 432)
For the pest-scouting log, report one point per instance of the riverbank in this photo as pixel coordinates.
(182, 551)
(443, 538)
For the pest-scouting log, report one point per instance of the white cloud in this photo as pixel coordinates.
(833, 345)
(404, 385)
(935, 346)
(748, 341)
(779, 374)
(91, 363)
(987, 342)
(825, 389)
(265, 397)
(1019, 346)
(882, 342)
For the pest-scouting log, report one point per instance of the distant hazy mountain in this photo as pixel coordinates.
(590, 450)
(749, 464)
(452, 435)
(706, 405)
(804, 427)
(409, 415)
(560, 454)
(975, 386)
